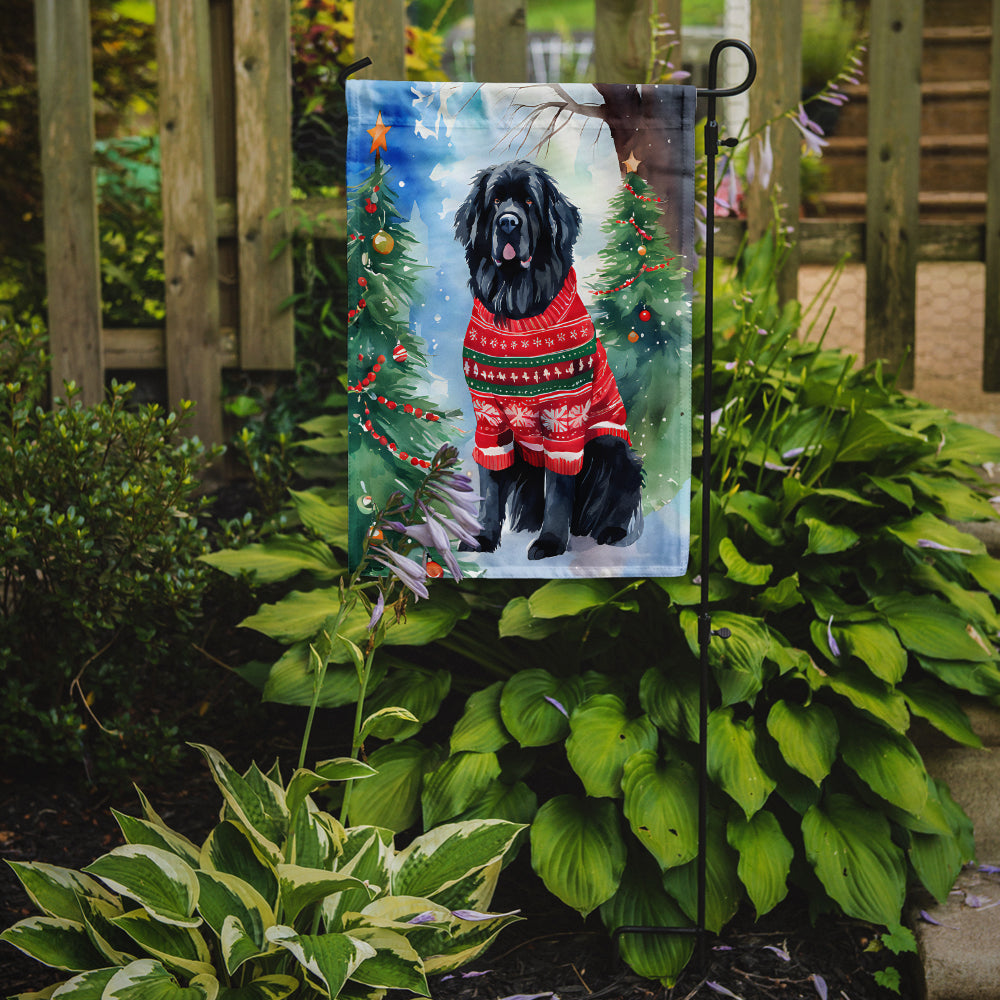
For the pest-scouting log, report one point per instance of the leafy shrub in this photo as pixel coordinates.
(99, 540)
(279, 899)
(854, 603)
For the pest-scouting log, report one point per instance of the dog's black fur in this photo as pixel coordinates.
(518, 231)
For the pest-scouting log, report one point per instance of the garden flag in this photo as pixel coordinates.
(519, 263)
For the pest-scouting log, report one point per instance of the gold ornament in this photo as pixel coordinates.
(633, 336)
(642, 251)
(382, 242)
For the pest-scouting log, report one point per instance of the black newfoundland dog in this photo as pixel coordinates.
(551, 443)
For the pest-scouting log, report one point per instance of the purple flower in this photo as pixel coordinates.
(411, 574)
(811, 132)
(427, 917)
(780, 952)
(377, 611)
(927, 543)
(552, 701)
(475, 915)
(719, 988)
(820, 983)
(761, 162)
(834, 648)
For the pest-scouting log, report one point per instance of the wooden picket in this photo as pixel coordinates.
(226, 161)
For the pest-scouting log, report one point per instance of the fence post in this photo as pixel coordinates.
(991, 333)
(893, 183)
(776, 35)
(380, 34)
(501, 37)
(190, 250)
(72, 254)
(621, 40)
(262, 61)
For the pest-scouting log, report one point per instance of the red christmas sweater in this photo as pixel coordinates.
(542, 384)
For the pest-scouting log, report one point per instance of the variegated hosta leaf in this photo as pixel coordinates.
(177, 947)
(300, 887)
(578, 851)
(86, 986)
(661, 799)
(116, 947)
(391, 799)
(304, 782)
(732, 760)
(850, 847)
(328, 959)
(642, 902)
(56, 891)
(225, 897)
(765, 858)
(456, 784)
(476, 890)
(807, 736)
(395, 964)
(147, 979)
(481, 727)
(256, 801)
(441, 857)
(141, 831)
(54, 941)
(602, 737)
(315, 838)
(158, 880)
(888, 763)
(274, 987)
(535, 706)
(466, 941)
(230, 849)
(367, 853)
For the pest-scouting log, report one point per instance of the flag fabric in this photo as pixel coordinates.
(519, 265)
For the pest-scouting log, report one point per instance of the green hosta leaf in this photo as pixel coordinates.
(391, 798)
(931, 628)
(765, 858)
(441, 857)
(732, 760)
(260, 809)
(141, 831)
(926, 528)
(738, 661)
(739, 569)
(965, 443)
(941, 709)
(888, 763)
(866, 692)
(54, 941)
(671, 700)
(456, 784)
(56, 891)
(807, 736)
(578, 851)
(180, 948)
(561, 598)
(827, 539)
(723, 889)
(147, 979)
(641, 901)
(279, 558)
(226, 898)
(661, 798)
(684, 592)
(517, 620)
(330, 959)
(870, 435)
(481, 728)
(230, 849)
(975, 605)
(159, 881)
(387, 723)
(291, 680)
(758, 511)
(301, 887)
(418, 691)
(535, 706)
(937, 859)
(976, 678)
(327, 520)
(275, 987)
(957, 501)
(602, 738)
(516, 803)
(783, 595)
(876, 646)
(395, 964)
(986, 571)
(850, 848)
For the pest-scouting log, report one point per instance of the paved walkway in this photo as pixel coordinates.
(950, 315)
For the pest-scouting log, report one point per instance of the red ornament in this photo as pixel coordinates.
(645, 315)
(399, 353)
(363, 281)
(433, 569)
(376, 534)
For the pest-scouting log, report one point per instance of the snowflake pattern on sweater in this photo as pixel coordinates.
(542, 385)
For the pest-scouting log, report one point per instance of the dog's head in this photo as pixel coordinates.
(518, 232)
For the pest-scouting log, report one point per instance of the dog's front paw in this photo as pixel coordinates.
(546, 545)
(485, 543)
(609, 536)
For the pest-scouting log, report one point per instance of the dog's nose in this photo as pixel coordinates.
(508, 223)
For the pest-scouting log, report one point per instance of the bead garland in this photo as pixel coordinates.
(642, 232)
(624, 285)
(641, 197)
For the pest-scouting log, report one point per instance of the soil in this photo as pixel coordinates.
(550, 953)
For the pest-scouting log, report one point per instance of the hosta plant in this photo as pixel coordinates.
(279, 900)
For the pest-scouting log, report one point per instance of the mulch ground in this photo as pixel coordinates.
(550, 953)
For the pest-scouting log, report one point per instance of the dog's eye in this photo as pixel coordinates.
(529, 202)
(496, 201)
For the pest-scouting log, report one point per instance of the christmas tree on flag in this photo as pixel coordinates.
(642, 314)
(394, 430)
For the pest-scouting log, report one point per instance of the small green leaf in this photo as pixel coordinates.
(732, 760)
(279, 558)
(391, 798)
(765, 858)
(177, 947)
(932, 628)
(481, 728)
(807, 736)
(535, 706)
(888, 763)
(331, 959)
(671, 700)
(327, 520)
(828, 539)
(456, 784)
(739, 569)
(301, 887)
(518, 621)
(936, 704)
(562, 598)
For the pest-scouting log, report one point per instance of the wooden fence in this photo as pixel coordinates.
(226, 161)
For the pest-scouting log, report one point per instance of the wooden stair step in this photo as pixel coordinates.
(951, 204)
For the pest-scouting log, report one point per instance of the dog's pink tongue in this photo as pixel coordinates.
(509, 253)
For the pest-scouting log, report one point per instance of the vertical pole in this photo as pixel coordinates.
(991, 333)
(72, 256)
(621, 40)
(776, 33)
(190, 250)
(893, 183)
(380, 33)
(501, 37)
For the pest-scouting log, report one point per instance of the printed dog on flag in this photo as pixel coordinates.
(551, 444)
